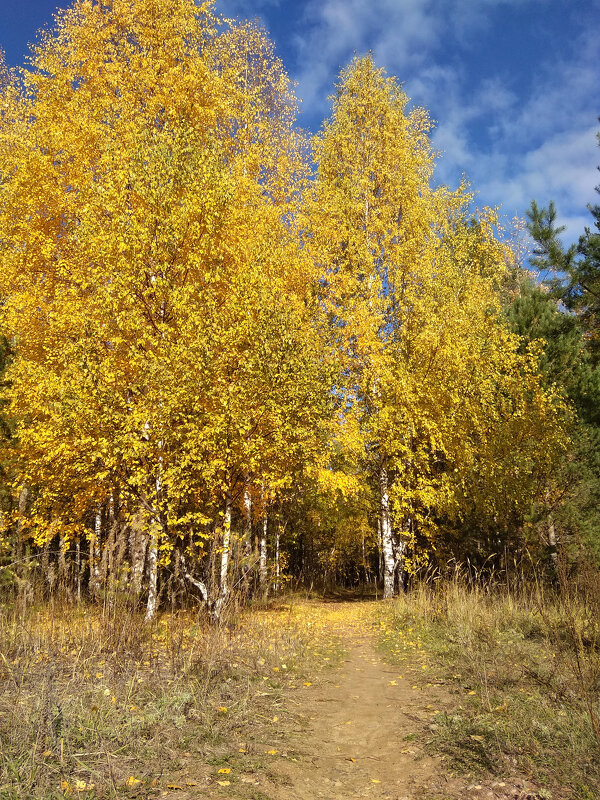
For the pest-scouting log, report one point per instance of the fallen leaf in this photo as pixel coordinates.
(224, 783)
(224, 771)
(131, 781)
(82, 786)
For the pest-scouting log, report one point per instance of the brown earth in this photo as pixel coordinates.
(356, 730)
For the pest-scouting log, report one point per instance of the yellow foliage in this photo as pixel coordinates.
(152, 170)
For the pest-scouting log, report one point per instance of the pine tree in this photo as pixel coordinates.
(572, 273)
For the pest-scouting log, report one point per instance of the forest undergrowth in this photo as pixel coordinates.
(523, 671)
(96, 704)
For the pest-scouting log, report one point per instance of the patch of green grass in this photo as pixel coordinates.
(521, 677)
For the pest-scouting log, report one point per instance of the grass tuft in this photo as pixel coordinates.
(96, 704)
(523, 672)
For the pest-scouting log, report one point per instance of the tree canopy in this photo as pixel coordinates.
(234, 349)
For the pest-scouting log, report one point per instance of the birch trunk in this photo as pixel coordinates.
(94, 577)
(23, 497)
(277, 562)
(78, 570)
(247, 537)
(155, 529)
(387, 542)
(46, 576)
(224, 586)
(262, 563)
(152, 571)
(116, 576)
(202, 588)
(62, 565)
(552, 540)
(262, 545)
(379, 551)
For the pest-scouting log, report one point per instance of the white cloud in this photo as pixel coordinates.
(400, 36)
(514, 142)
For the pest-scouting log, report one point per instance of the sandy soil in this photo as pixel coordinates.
(360, 731)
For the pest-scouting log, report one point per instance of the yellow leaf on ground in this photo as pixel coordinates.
(82, 786)
(224, 771)
(224, 783)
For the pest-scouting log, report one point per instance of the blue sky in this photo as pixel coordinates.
(514, 85)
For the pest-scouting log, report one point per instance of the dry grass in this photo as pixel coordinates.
(525, 674)
(94, 704)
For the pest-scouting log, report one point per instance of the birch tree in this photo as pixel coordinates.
(146, 220)
(411, 284)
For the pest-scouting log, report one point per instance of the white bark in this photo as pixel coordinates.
(379, 549)
(277, 562)
(387, 541)
(202, 588)
(94, 559)
(155, 529)
(78, 569)
(400, 553)
(262, 557)
(247, 537)
(62, 561)
(262, 544)
(224, 585)
(152, 571)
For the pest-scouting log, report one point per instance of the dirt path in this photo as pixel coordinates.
(364, 722)
(352, 731)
